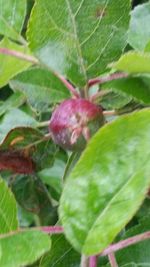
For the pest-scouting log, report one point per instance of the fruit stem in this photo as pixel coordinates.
(84, 261)
(43, 124)
(107, 78)
(112, 260)
(68, 85)
(110, 113)
(125, 243)
(19, 55)
(93, 261)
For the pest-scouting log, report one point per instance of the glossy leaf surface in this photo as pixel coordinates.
(8, 210)
(10, 66)
(108, 183)
(133, 63)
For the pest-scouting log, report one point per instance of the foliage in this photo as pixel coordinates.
(51, 51)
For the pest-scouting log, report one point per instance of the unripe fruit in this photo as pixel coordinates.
(73, 122)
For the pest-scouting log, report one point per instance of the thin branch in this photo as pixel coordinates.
(84, 261)
(19, 55)
(51, 229)
(125, 243)
(68, 85)
(93, 261)
(108, 78)
(112, 260)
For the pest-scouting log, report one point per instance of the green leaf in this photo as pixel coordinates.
(139, 30)
(61, 254)
(137, 87)
(133, 62)
(10, 66)
(53, 176)
(78, 38)
(14, 101)
(108, 184)
(8, 210)
(147, 47)
(23, 248)
(15, 118)
(12, 14)
(40, 87)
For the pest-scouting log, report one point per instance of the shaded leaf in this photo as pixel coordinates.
(33, 196)
(10, 66)
(21, 249)
(78, 38)
(12, 14)
(21, 138)
(44, 154)
(15, 118)
(114, 100)
(108, 183)
(61, 254)
(40, 87)
(136, 87)
(53, 176)
(139, 30)
(8, 210)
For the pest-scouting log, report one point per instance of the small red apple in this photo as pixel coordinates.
(74, 121)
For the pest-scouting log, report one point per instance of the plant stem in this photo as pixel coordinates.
(109, 112)
(112, 260)
(51, 229)
(99, 94)
(93, 261)
(68, 85)
(84, 261)
(104, 79)
(125, 243)
(43, 124)
(19, 55)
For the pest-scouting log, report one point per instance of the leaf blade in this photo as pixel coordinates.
(8, 209)
(73, 46)
(96, 181)
(28, 245)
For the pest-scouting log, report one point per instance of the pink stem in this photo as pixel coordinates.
(68, 85)
(19, 55)
(111, 77)
(112, 260)
(93, 261)
(52, 229)
(125, 243)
